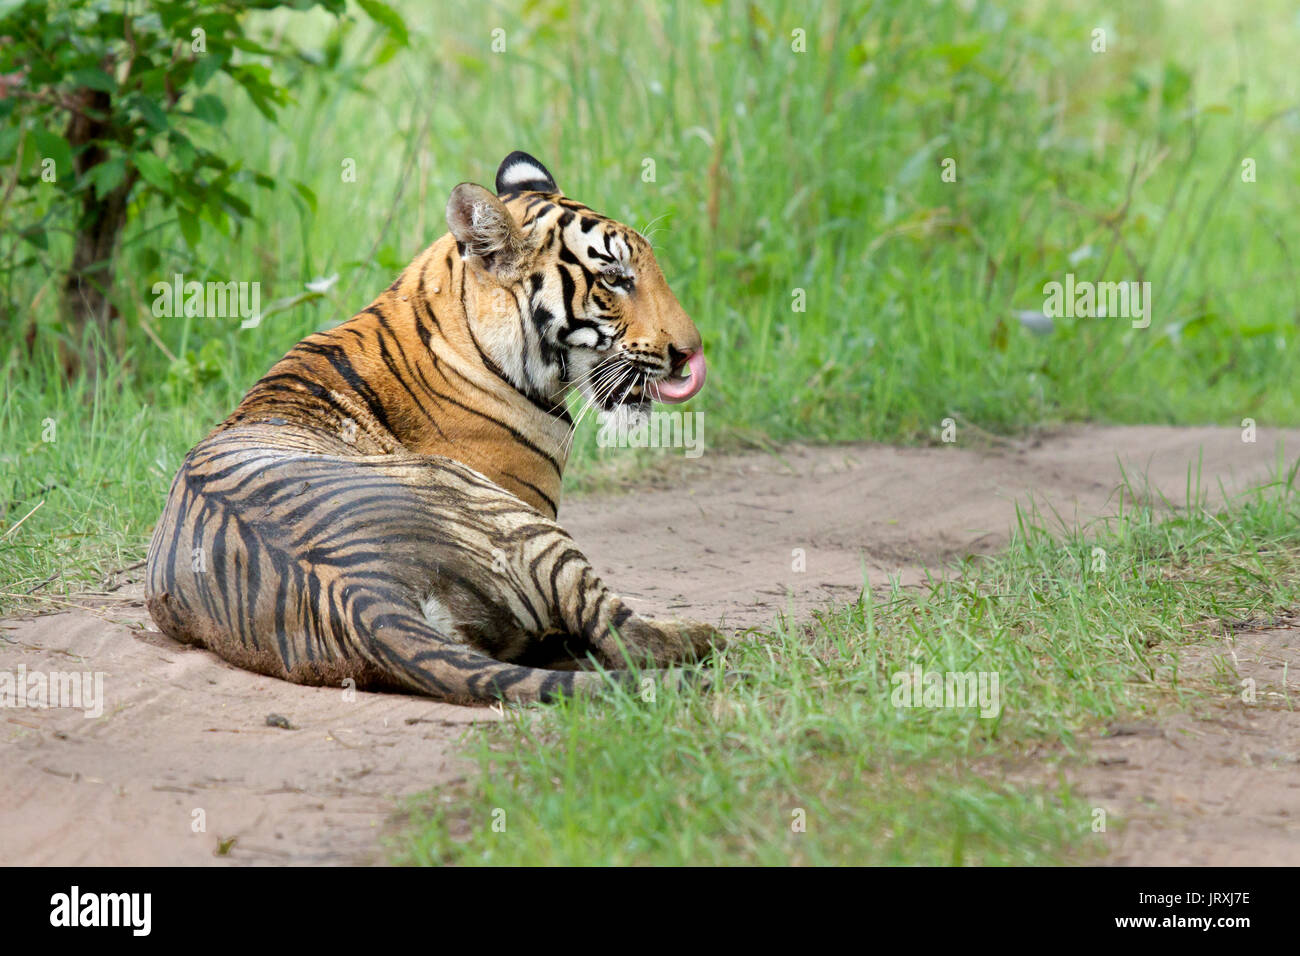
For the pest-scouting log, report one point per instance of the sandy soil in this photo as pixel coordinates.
(184, 738)
(1215, 788)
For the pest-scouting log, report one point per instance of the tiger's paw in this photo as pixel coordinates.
(662, 643)
(699, 640)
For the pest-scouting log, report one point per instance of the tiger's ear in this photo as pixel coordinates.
(485, 230)
(519, 172)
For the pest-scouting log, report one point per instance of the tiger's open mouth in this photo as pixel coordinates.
(682, 383)
(635, 389)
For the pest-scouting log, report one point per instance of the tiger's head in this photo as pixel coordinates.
(561, 298)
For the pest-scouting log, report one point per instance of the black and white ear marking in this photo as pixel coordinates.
(519, 172)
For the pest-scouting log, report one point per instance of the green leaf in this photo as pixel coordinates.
(153, 113)
(51, 145)
(250, 46)
(386, 16)
(255, 79)
(238, 205)
(190, 228)
(95, 79)
(106, 176)
(1176, 84)
(9, 136)
(306, 193)
(154, 171)
(209, 109)
(207, 66)
(183, 155)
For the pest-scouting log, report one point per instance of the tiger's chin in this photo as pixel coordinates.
(624, 417)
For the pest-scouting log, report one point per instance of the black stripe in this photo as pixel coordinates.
(338, 358)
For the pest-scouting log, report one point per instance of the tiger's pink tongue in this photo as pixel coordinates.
(674, 390)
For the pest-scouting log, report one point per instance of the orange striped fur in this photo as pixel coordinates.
(380, 507)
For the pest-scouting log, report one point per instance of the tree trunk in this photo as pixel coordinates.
(99, 226)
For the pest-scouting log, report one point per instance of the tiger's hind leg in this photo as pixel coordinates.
(552, 614)
(399, 642)
(518, 589)
(592, 620)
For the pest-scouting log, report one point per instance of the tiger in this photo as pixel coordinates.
(380, 509)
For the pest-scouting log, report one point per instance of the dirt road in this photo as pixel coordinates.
(184, 739)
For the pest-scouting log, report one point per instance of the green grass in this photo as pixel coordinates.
(775, 171)
(712, 777)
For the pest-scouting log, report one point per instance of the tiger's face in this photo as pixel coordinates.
(576, 301)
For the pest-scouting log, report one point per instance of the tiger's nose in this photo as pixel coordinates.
(676, 356)
(685, 342)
